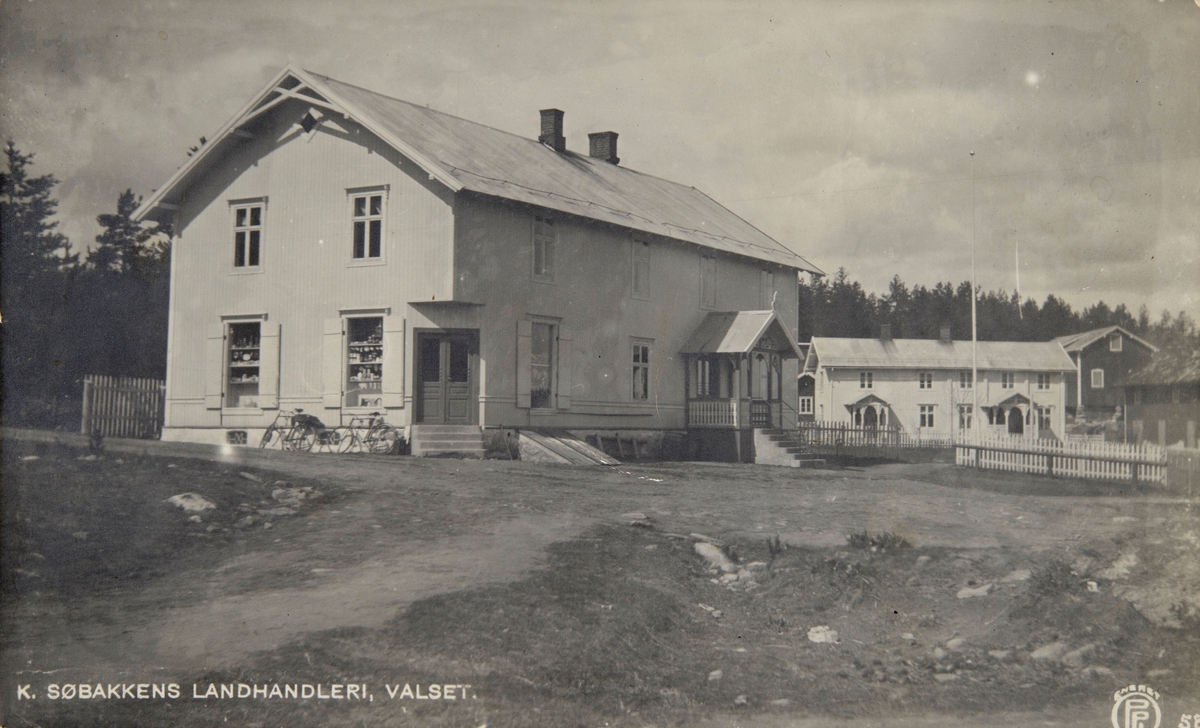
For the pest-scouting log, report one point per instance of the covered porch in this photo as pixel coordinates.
(734, 362)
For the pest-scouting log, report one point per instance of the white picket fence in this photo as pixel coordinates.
(1071, 459)
(840, 434)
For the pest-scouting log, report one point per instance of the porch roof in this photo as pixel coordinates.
(739, 332)
(868, 400)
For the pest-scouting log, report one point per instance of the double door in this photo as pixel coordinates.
(447, 377)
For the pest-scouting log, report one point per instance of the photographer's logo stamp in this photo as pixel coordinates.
(1136, 706)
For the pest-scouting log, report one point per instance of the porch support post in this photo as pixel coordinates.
(737, 406)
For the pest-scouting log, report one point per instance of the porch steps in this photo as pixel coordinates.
(559, 446)
(774, 446)
(447, 440)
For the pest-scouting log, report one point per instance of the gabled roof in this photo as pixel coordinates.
(1078, 342)
(869, 399)
(1177, 365)
(1037, 356)
(464, 155)
(738, 332)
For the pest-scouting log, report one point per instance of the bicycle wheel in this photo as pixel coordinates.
(383, 440)
(303, 438)
(271, 438)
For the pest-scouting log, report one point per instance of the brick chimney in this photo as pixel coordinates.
(603, 145)
(552, 130)
(885, 332)
(944, 336)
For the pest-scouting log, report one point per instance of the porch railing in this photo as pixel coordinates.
(713, 413)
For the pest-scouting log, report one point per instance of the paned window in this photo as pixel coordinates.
(1043, 415)
(866, 380)
(247, 235)
(708, 281)
(541, 391)
(368, 225)
(1007, 380)
(245, 344)
(965, 415)
(806, 405)
(926, 380)
(706, 377)
(641, 370)
(1115, 342)
(966, 380)
(1043, 381)
(926, 415)
(364, 361)
(544, 243)
(640, 269)
(1097, 379)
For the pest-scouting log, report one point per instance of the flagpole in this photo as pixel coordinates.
(974, 322)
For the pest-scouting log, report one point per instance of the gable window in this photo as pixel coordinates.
(926, 380)
(1115, 342)
(866, 380)
(641, 369)
(544, 243)
(926, 415)
(247, 235)
(1007, 380)
(966, 380)
(1043, 381)
(708, 281)
(367, 215)
(640, 270)
(1097, 379)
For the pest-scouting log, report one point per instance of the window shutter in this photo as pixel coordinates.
(564, 368)
(268, 367)
(524, 362)
(393, 361)
(332, 358)
(214, 366)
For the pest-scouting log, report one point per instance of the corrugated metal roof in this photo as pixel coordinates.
(1170, 366)
(737, 332)
(1047, 356)
(1079, 342)
(493, 162)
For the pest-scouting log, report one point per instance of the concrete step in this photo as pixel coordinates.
(442, 440)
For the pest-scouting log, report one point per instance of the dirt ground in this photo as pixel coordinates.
(527, 582)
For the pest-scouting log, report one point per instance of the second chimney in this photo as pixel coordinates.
(945, 335)
(885, 332)
(603, 145)
(552, 130)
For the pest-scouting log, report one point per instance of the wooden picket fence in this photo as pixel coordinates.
(840, 434)
(1071, 459)
(123, 407)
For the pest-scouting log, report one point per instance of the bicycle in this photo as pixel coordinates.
(371, 434)
(296, 431)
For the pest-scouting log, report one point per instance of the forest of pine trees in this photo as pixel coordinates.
(66, 317)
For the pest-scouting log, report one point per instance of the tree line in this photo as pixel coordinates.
(837, 306)
(66, 316)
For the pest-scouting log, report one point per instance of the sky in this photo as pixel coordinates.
(842, 129)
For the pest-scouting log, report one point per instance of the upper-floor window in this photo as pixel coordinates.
(544, 242)
(640, 269)
(1097, 379)
(1043, 381)
(966, 380)
(708, 281)
(368, 224)
(866, 380)
(1007, 380)
(247, 235)
(925, 380)
(641, 369)
(1115, 342)
(766, 289)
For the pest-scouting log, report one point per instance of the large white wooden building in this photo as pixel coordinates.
(925, 386)
(345, 252)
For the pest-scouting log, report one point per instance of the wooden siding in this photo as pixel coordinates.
(307, 274)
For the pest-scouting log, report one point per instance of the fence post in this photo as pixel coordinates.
(87, 402)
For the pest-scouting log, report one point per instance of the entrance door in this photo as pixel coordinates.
(1016, 422)
(446, 366)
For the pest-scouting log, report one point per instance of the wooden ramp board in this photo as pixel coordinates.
(561, 446)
